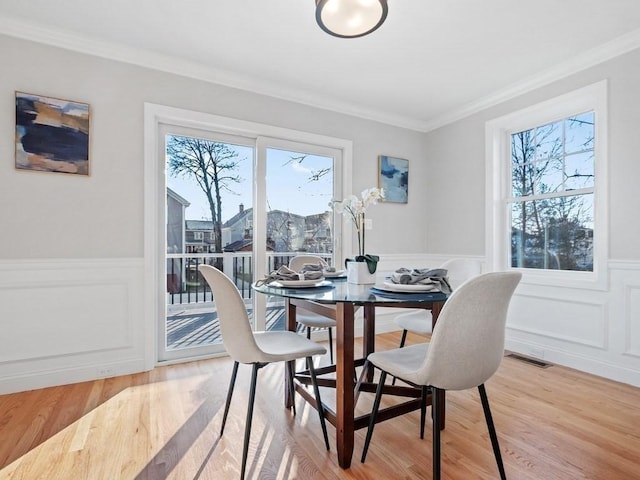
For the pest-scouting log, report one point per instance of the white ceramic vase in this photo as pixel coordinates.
(358, 272)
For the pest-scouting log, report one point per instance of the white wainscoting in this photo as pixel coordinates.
(596, 331)
(66, 321)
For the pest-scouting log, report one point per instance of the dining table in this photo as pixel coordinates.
(338, 299)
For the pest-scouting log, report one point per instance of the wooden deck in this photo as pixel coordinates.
(198, 324)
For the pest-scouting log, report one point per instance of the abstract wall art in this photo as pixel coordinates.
(394, 178)
(52, 135)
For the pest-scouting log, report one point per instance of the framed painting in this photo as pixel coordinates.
(52, 135)
(394, 178)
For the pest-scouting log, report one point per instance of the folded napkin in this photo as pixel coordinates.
(285, 273)
(319, 266)
(436, 277)
(311, 267)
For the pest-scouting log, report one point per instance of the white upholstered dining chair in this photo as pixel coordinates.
(311, 319)
(257, 349)
(465, 350)
(419, 321)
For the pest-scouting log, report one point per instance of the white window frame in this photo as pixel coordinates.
(498, 181)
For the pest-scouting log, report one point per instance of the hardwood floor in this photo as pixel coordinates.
(552, 423)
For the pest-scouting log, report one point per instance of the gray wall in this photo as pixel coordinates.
(456, 163)
(66, 216)
(596, 329)
(72, 274)
(72, 248)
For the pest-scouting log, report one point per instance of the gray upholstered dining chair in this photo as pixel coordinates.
(311, 319)
(257, 349)
(465, 350)
(418, 321)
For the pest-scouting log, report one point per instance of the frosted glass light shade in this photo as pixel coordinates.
(350, 18)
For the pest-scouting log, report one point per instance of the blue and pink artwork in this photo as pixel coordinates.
(394, 179)
(52, 135)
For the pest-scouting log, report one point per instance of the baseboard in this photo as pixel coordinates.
(67, 376)
(589, 365)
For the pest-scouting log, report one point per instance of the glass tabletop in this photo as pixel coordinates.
(339, 290)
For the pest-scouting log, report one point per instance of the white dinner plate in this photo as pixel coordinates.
(337, 273)
(401, 287)
(319, 282)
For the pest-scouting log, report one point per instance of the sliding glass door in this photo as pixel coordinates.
(299, 182)
(246, 206)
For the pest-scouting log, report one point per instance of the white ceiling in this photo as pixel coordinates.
(432, 62)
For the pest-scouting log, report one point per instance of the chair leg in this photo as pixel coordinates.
(402, 340)
(292, 394)
(423, 410)
(330, 345)
(316, 391)
(436, 432)
(492, 431)
(232, 383)
(247, 427)
(360, 379)
(308, 333)
(374, 414)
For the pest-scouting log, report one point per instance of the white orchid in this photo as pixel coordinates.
(356, 208)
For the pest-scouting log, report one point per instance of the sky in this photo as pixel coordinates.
(288, 186)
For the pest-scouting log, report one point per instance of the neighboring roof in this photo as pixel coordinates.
(199, 225)
(287, 213)
(178, 198)
(237, 245)
(236, 217)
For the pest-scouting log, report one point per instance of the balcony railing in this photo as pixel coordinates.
(186, 285)
(189, 322)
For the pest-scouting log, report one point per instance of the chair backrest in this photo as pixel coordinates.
(297, 262)
(467, 344)
(232, 314)
(461, 269)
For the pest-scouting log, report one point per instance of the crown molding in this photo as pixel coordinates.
(614, 48)
(113, 51)
(143, 58)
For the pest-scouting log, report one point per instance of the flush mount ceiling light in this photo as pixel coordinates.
(350, 18)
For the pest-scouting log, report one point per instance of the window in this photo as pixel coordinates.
(198, 236)
(552, 185)
(546, 190)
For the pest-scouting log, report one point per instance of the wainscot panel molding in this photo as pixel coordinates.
(593, 331)
(69, 320)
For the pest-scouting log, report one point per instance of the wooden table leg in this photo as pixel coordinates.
(290, 310)
(369, 336)
(344, 383)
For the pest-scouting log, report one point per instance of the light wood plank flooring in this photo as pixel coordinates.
(553, 423)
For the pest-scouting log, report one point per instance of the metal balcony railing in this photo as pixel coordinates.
(189, 322)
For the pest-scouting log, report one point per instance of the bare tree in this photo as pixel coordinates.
(314, 175)
(548, 226)
(211, 165)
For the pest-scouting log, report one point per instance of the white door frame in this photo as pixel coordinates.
(155, 194)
